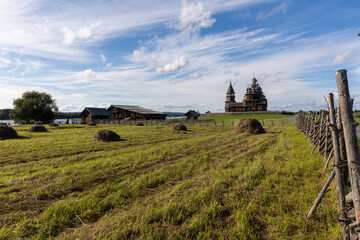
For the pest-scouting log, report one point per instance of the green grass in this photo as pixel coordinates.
(266, 119)
(207, 183)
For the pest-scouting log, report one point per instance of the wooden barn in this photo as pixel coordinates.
(192, 115)
(134, 113)
(90, 114)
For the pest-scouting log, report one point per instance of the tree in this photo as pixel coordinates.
(4, 113)
(34, 105)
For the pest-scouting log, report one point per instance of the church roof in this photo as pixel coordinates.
(254, 87)
(230, 90)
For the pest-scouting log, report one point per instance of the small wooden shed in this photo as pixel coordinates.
(192, 115)
(90, 114)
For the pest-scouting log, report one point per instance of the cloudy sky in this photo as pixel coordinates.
(177, 55)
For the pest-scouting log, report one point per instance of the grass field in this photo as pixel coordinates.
(267, 119)
(207, 183)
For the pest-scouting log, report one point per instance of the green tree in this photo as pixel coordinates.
(4, 113)
(34, 105)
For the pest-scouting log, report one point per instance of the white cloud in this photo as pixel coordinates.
(139, 53)
(263, 15)
(88, 73)
(103, 58)
(83, 33)
(69, 36)
(343, 57)
(193, 16)
(173, 66)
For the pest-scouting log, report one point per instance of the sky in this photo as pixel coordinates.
(177, 55)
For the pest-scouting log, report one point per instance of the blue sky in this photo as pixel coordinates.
(177, 55)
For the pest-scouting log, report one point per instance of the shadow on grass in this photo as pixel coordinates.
(18, 137)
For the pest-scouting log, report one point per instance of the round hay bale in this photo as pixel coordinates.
(180, 127)
(250, 125)
(37, 128)
(39, 123)
(106, 136)
(3, 124)
(53, 124)
(7, 132)
(139, 124)
(91, 124)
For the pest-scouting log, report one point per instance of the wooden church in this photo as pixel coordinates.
(254, 99)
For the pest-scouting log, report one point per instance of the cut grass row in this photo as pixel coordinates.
(159, 184)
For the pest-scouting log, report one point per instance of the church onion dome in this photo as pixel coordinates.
(230, 90)
(254, 87)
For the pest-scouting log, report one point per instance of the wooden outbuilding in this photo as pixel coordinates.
(192, 115)
(134, 113)
(90, 114)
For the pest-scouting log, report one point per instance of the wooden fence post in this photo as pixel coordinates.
(321, 195)
(338, 168)
(352, 149)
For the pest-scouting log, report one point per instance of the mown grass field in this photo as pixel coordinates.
(267, 119)
(206, 183)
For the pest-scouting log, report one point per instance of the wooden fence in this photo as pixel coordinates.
(333, 134)
(199, 122)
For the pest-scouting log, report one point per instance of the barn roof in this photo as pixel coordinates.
(137, 109)
(194, 113)
(98, 112)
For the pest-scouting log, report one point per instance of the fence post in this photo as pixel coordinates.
(272, 122)
(338, 169)
(262, 120)
(352, 149)
(321, 195)
(223, 122)
(233, 122)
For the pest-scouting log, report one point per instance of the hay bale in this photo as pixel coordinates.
(91, 124)
(7, 132)
(82, 121)
(53, 124)
(106, 136)
(250, 125)
(3, 124)
(139, 124)
(37, 128)
(180, 127)
(39, 123)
